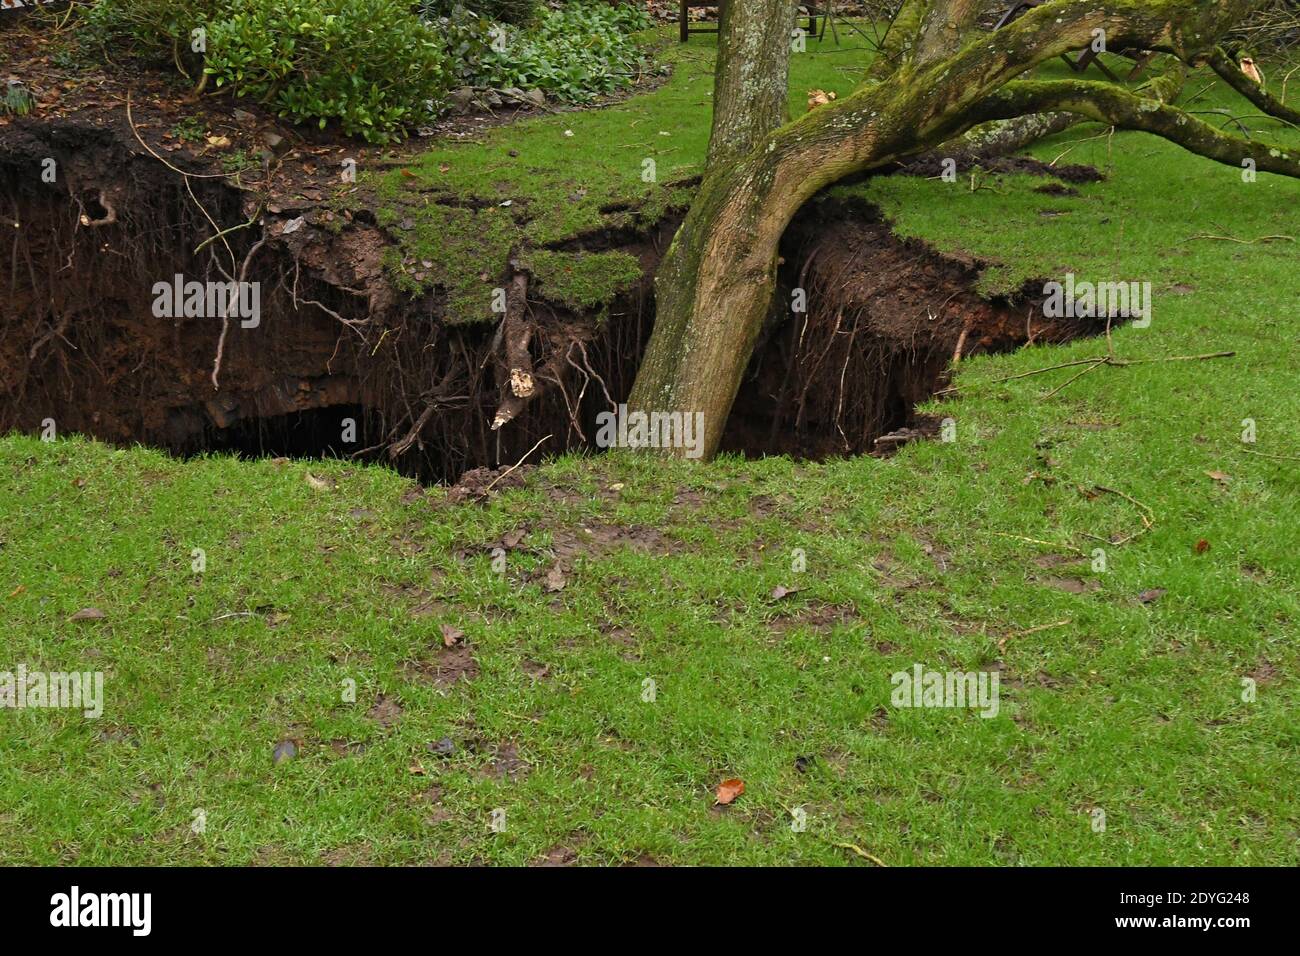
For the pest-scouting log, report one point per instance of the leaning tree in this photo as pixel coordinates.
(935, 79)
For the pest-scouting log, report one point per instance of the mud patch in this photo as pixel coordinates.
(445, 668)
(816, 616)
(558, 856)
(385, 712)
(506, 764)
(931, 166)
(1070, 585)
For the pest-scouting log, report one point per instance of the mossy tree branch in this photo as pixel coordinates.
(1107, 103)
(1231, 73)
(715, 284)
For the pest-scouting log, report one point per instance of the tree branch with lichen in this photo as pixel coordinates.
(1231, 74)
(1107, 103)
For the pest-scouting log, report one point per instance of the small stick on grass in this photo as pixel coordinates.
(1074, 378)
(1095, 360)
(1002, 641)
(1244, 242)
(862, 853)
(514, 466)
(1049, 544)
(1264, 454)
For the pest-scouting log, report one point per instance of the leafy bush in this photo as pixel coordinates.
(573, 53)
(371, 64)
(151, 29)
(368, 63)
(517, 12)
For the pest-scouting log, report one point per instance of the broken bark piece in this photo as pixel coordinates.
(518, 334)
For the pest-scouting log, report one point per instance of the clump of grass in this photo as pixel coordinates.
(583, 280)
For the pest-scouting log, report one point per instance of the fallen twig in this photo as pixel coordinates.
(1095, 360)
(1264, 454)
(1074, 378)
(1049, 544)
(862, 853)
(1002, 641)
(514, 466)
(1244, 242)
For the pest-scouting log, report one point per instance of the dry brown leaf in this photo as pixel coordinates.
(781, 591)
(555, 579)
(729, 790)
(1220, 477)
(89, 614)
(818, 98)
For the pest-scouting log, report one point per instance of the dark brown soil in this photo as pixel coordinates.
(886, 320)
(932, 165)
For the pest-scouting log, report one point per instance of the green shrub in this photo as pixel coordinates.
(372, 65)
(573, 53)
(517, 12)
(158, 30)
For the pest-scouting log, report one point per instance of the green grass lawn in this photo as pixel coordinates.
(969, 555)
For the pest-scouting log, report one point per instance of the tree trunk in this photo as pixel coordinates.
(750, 85)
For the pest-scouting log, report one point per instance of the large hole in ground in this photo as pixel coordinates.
(84, 344)
(332, 432)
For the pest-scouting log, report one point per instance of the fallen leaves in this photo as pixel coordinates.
(385, 712)
(818, 98)
(555, 580)
(1219, 476)
(88, 614)
(728, 791)
(781, 591)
